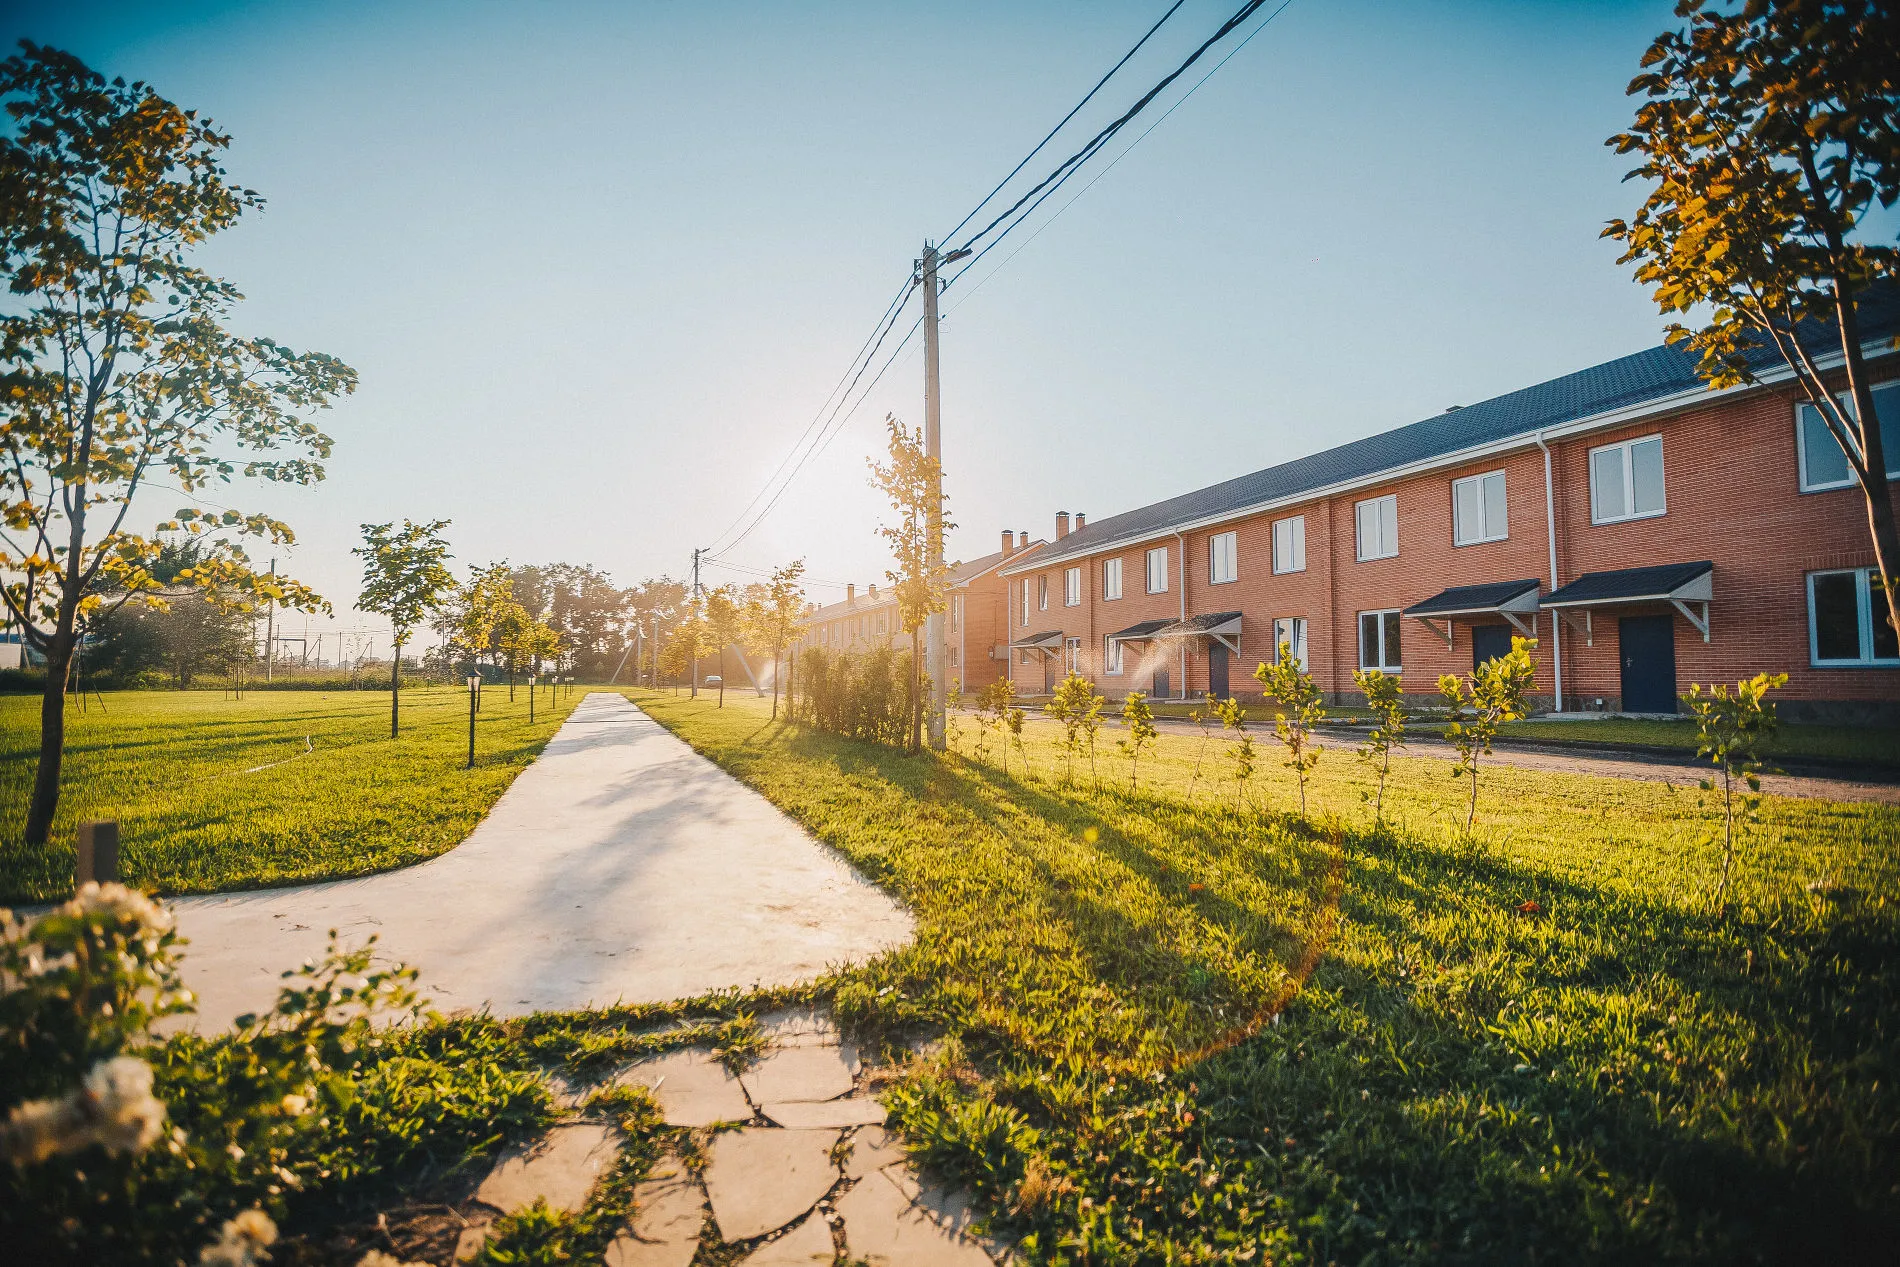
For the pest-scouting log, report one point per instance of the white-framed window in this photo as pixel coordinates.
(1111, 656)
(1111, 580)
(1626, 481)
(1376, 527)
(1072, 654)
(1158, 570)
(1847, 620)
(1072, 587)
(1289, 544)
(1290, 631)
(1025, 604)
(1042, 593)
(956, 611)
(1379, 640)
(1477, 509)
(1823, 465)
(1223, 558)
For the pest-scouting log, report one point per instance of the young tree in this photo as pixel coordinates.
(725, 625)
(405, 577)
(1732, 727)
(1139, 718)
(777, 617)
(686, 642)
(1204, 717)
(1300, 710)
(1493, 694)
(117, 366)
(1385, 702)
(539, 642)
(513, 636)
(1241, 751)
(1766, 134)
(173, 626)
(1076, 705)
(915, 539)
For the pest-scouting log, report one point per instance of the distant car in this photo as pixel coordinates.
(714, 680)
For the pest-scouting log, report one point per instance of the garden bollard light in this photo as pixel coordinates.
(98, 852)
(474, 693)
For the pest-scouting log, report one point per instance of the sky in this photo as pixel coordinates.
(599, 265)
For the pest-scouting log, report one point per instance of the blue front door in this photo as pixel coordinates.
(1648, 647)
(1217, 669)
(1488, 642)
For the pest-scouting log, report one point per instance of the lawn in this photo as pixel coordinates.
(213, 792)
(1543, 1044)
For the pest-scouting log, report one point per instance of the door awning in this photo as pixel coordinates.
(1048, 643)
(1678, 584)
(1221, 627)
(1143, 632)
(1512, 600)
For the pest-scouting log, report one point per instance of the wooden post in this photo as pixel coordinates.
(98, 852)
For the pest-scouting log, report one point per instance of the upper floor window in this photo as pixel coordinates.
(1158, 570)
(1223, 558)
(1477, 509)
(1823, 463)
(1042, 593)
(1112, 579)
(1379, 641)
(1072, 587)
(1376, 525)
(956, 611)
(1289, 544)
(1847, 620)
(1025, 602)
(1626, 480)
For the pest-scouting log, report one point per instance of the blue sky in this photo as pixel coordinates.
(599, 263)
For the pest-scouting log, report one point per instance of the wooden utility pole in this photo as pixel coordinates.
(933, 448)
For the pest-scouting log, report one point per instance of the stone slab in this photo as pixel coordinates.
(559, 1168)
(760, 1179)
(691, 1087)
(872, 1148)
(884, 1226)
(669, 1211)
(850, 1111)
(620, 866)
(800, 1027)
(801, 1074)
(807, 1245)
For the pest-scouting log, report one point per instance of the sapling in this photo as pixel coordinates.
(1076, 705)
(1013, 718)
(1233, 717)
(1493, 694)
(953, 705)
(1205, 719)
(1385, 702)
(1140, 720)
(1732, 727)
(1300, 709)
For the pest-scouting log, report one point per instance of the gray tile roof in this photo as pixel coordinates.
(1471, 598)
(1648, 376)
(1627, 584)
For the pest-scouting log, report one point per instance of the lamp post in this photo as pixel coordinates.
(474, 689)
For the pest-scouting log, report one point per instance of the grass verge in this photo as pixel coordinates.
(1540, 1044)
(216, 793)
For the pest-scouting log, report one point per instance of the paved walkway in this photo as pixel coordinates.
(620, 866)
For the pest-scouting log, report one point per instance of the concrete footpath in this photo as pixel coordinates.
(620, 866)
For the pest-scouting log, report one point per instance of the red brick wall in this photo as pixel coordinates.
(1732, 494)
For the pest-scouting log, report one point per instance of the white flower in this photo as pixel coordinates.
(296, 1105)
(376, 1258)
(119, 904)
(38, 1129)
(242, 1242)
(126, 1117)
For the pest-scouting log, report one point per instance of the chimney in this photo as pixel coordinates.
(850, 593)
(1009, 543)
(1022, 538)
(874, 591)
(1080, 520)
(1062, 524)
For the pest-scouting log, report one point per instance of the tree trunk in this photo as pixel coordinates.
(395, 687)
(722, 675)
(59, 658)
(775, 657)
(916, 740)
(1880, 521)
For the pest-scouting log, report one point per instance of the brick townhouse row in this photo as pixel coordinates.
(1648, 531)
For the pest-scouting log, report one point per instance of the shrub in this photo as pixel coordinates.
(1140, 720)
(1292, 688)
(1477, 704)
(857, 694)
(1204, 717)
(1076, 705)
(1732, 727)
(1387, 706)
(1240, 753)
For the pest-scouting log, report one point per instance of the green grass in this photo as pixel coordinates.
(1618, 1073)
(1876, 745)
(181, 772)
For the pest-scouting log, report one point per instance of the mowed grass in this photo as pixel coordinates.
(1542, 1044)
(214, 793)
(1875, 745)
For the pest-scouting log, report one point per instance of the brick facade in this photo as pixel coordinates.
(1732, 495)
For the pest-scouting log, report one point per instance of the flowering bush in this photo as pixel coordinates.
(119, 1146)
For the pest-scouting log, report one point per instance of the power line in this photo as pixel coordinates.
(1065, 121)
(1068, 165)
(1115, 162)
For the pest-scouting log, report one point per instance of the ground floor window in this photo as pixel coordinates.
(1847, 620)
(1290, 631)
(1379, 640)
(1111, 656)
(1072, 654)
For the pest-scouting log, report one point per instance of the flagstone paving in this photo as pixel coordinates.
(621, 866)
(783, 1191)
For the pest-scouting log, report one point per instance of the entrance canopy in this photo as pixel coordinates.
(1143, 632)
(1221, 627)
(1048, 644)
(1678, 584)
(1512, 600)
